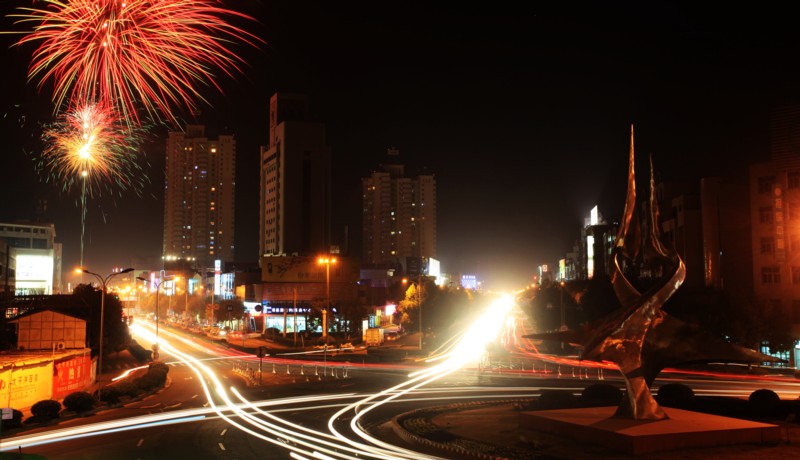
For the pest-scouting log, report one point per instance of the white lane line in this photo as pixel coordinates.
(223, 432)
(139, 444)
(221, 446)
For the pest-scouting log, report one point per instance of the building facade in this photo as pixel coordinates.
(36, 255)
(199, 196)
(774, 189)
(399, 215)
(295, 200)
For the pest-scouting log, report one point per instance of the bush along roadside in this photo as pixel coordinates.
(83, 403)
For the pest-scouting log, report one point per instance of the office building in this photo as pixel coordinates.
(295, 202)
(32, 259)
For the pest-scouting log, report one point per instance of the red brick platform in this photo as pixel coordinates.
(683, 429)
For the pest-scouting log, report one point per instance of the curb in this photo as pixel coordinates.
(454, 446)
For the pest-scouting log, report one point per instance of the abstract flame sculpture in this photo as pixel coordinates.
(641, 338)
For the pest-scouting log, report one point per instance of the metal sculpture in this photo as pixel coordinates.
(641, 338)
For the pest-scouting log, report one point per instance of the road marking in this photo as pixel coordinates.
(188, 378)
(223, 432)
(172, 406)
(150, 406)
(194, 396)
(221, 446)
(139, 444)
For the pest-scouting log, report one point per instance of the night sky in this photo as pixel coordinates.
(522, 112)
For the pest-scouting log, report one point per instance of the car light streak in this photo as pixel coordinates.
(264, 419)
(471, 345)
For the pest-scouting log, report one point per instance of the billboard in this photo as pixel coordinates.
(72, 375)
(34, 273)
(22, 387)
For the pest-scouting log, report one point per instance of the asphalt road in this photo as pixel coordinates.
(311, 407)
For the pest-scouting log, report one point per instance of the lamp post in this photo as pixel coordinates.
(563, 313)
(158, 288)
(419, 305)
(103, 282)
(327, 261)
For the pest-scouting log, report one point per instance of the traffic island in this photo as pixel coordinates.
(682, 430)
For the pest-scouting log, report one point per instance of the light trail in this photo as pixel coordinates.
(264, 419)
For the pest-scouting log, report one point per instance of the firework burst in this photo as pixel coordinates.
(129, 54)
(90, 146)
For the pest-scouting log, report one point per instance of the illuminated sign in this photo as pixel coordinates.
(217, 277)
(280, 309)
(34, 273)
(469, 282)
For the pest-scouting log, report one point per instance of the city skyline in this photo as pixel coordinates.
(522, 118)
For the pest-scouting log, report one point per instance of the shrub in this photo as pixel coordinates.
(556, 399)
(46, 409)
(79, 401)
(766, 403)
(156, 377)
(14, 422)
(109, 394)
(140, 353)
(675, 395)
(601, 394)
(764, 397)
(127, 389)
(159, 367)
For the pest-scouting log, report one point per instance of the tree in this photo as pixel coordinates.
(232, 309)
(115, 331)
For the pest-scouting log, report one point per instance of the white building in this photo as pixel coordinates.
(37, 256)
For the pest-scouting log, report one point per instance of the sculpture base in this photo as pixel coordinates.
(683, 429)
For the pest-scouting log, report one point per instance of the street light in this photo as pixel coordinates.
(327, 261)
(103, 282)
(563, 313)
(158, 288)
(419, 305)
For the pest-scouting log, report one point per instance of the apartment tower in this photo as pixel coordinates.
(399, 215)
(199, 197)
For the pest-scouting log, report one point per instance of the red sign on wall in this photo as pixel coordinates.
(71, 376)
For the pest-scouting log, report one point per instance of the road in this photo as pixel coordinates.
(321, 409)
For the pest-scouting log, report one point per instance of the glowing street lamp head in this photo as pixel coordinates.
(326, 260)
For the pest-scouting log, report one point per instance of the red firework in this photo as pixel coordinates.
(122, 53)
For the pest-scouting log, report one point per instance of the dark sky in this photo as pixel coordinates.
(522, 113)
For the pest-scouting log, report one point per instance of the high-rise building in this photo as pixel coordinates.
(199, 197)
(295, 205)
(399, 215)
(775, 217)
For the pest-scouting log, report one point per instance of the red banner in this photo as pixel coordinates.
(71, 376)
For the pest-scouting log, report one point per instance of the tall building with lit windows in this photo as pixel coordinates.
(295, 201)
(199, 196)
(399, 215)
(775, 221)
